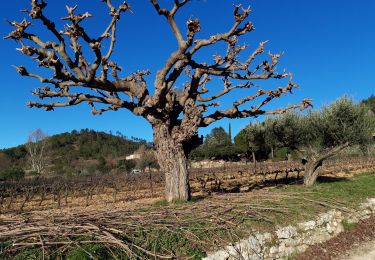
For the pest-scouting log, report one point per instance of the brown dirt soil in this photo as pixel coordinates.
(343, 244)
(363, 252)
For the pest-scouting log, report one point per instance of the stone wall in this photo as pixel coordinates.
(289, 240)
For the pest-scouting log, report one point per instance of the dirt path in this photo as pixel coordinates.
(355, 244)
(363, 252)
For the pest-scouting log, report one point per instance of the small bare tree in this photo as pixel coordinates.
(35, 146)
(175, 113)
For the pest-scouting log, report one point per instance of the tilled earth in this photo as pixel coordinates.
(343, 245)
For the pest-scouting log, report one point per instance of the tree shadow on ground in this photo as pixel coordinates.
(329, 179)
(264, 185)
(196, 198)
(278, 183)
(296, 181)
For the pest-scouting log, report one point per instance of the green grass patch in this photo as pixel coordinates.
(341, 194)
(87, 252)
(29, 253)
(347, 225)
(348, 191)
(160, 203)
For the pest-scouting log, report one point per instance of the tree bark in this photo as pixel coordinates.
(314, 165)
(173, 162)
(312, 172)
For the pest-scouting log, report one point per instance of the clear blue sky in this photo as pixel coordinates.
(329, 46)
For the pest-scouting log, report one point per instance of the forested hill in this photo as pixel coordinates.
(67, 150)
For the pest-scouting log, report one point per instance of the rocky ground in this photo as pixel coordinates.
(355, 244)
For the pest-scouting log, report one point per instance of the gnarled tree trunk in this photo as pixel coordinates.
(172, 160)
(312, 172)
(314, 165)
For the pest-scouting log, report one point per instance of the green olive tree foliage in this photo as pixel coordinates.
(289, 130)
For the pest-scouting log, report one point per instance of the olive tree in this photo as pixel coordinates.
(323, 134)
(174, 110)
(334, 128)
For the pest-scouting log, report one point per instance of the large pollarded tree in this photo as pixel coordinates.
(174, 113)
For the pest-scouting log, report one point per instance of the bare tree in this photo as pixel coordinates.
(174, 113)
(35, 146)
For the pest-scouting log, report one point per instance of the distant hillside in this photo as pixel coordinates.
(76, 152)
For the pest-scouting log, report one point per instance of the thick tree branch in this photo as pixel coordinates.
(77, 98)
(234, 112)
